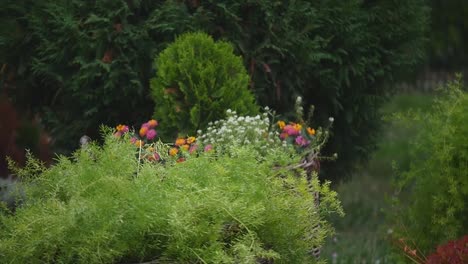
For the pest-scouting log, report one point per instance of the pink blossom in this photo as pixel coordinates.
(117, 134)
(290, 130)
(284, 135)
(301, 141)
(146, 125)
(156, 156)
(133, 140)
(151, 134)
(208, 148)
(193, 148)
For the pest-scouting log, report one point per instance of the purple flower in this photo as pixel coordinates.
(151, 134)
(301, 141)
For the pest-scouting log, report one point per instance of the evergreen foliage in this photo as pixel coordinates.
(84, 58)
(435, 188)
(93, 208)
(197, 80)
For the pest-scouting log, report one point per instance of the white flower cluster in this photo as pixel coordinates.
(238, 130)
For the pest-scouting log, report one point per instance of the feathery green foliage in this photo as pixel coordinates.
(93, 208)
(197, 80)
(435, 187)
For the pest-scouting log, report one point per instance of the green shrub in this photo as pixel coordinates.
(434, 195)
(197, 80)
(93, 208)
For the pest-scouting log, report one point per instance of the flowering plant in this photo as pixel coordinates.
(156, 151)
(183, 147)
(145, 140)
(238, 130)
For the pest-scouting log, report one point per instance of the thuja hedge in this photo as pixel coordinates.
(89, 62)
(103, 206)
(197, 80)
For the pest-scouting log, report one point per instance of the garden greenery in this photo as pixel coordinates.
(95, 208)
(197, 80)
(74, 60)
(434, 190)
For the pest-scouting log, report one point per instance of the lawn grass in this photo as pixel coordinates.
(361, 236)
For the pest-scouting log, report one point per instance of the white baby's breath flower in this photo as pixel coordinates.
(331, 119)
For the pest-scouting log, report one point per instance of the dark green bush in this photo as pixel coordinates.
(197, 80)
(95, 208)
(434, 195)
(337, 54)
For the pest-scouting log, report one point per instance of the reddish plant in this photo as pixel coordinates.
(9, 134)
(453, 252)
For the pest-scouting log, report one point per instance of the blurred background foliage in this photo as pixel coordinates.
(73, 65)
(83, 63)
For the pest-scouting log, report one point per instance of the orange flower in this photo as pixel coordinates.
(281, 124)
(153, 123)
(185, 147)
(311, 131)
(190, 140)
(173, 151)
(139, 143)
(143, 131)
(297, 127)
(122, 128)
(180, 142)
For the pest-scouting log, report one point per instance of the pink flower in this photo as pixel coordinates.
(133, 140)
(156, 156)
(302, 141)
(193, 148)
(151, 134)
(146, 125)
(117, 134)
(284, 135)
(291, 130)
(208, 148)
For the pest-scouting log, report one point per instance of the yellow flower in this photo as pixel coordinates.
(281, 124)
(173, 151)
(190, 140)
(311, 131)
(180, 141)
(297, 127)
(185, 147)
